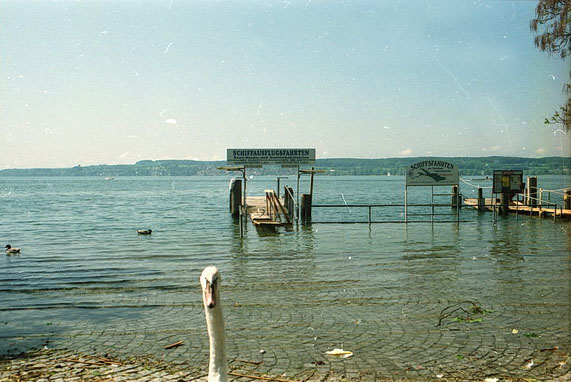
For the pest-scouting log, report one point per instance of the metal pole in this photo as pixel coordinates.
(242, 201)
(297, 210)
(432, 204)
(278, 178)
(311, 182)
(495, 206)
(245, 204)
(458, 204)
(405, 203)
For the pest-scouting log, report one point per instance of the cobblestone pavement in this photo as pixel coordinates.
(391, 337)
(454, 311)
(471, 346)
(68, 366)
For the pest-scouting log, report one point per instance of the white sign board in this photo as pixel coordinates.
(249, 157)
(432, 173)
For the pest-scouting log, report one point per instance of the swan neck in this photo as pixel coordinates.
(217, 369)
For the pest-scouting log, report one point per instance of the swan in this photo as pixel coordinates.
(144, 231)
(218, 366)
(10, 250)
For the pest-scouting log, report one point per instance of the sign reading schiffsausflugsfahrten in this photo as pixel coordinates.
(270, 156)
(432, 173)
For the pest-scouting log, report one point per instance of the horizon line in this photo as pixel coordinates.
(317, 159)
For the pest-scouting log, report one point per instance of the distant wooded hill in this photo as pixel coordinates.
(339, 166)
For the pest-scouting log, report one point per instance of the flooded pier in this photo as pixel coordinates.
(529, 199)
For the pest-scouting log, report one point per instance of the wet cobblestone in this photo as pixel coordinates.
(385, 308)
(70, 366)
(403, 341)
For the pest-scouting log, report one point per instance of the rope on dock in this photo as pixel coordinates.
(558, 191)
(473, 185)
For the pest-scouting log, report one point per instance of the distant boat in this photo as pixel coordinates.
(389, 173)
(109, 178)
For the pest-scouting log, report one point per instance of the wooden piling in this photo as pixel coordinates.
(305, 208)
(456, 198)
(504, 203)
(532, 190)
(481, 200)
(289, 202)
(235, 197)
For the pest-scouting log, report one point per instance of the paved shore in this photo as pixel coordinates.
(69, 366)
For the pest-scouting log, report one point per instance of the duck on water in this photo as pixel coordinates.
(11, 251)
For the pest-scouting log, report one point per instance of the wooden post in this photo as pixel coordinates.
(481, 200)
(289, 201)
(532, 190)
(235, 197)
(504, 203)
(455, 197)
(306, 208)
(567, 200)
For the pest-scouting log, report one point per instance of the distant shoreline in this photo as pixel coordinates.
(468, 166)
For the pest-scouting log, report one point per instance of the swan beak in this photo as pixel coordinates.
(209, 295)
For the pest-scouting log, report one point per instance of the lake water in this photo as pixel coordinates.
(85, 280)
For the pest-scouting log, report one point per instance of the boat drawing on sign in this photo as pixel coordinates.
(432, 173)
(424, 172)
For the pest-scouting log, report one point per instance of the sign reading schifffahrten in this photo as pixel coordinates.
(432, 173)
(270, 156)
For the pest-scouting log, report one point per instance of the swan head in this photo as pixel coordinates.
(210, 281)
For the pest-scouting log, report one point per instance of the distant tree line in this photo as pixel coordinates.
(468, 166)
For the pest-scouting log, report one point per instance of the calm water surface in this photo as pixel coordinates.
(85, 279)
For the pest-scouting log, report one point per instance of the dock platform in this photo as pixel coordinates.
(267, 210)
(520, 208)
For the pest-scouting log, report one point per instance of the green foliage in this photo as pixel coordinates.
(553, 25)
(563, 117)
(554, 17)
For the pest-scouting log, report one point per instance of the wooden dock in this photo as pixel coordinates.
(268, 210)
(520, 208)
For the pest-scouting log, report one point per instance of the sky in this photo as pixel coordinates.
(111, 82)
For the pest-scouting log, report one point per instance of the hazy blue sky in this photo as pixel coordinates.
(90, 82)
